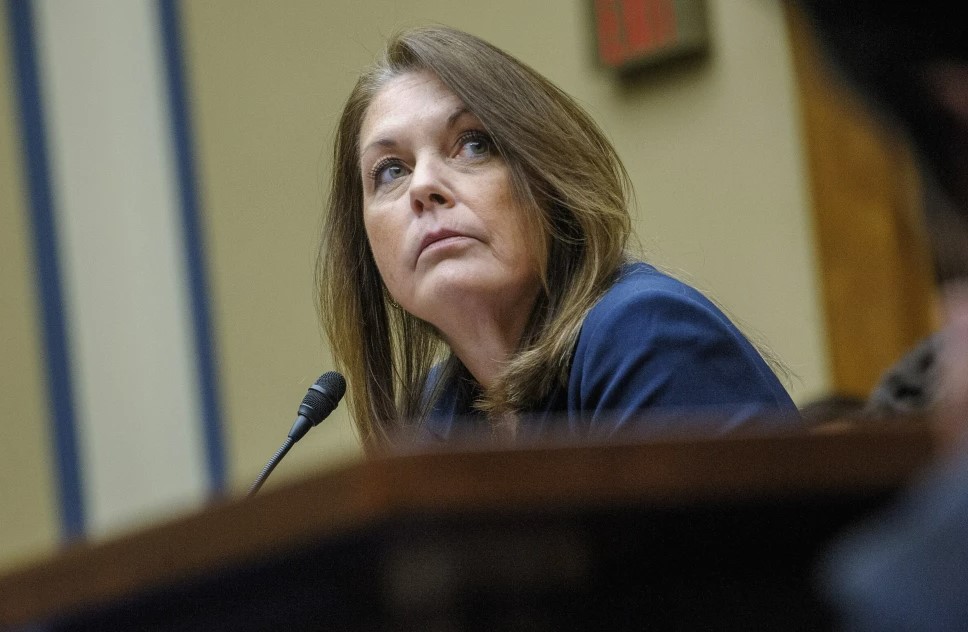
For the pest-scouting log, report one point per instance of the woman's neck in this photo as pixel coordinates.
(484, 340)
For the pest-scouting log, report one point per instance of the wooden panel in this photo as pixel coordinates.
(875, 270)
(552, 478)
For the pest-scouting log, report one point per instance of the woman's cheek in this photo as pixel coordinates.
(388, 253)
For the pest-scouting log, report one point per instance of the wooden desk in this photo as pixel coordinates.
(701, 534)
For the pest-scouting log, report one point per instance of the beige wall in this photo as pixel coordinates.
(28, 503)
(712, 146)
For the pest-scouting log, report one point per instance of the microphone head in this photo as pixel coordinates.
(323, 396)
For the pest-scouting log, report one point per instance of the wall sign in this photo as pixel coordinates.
(631, 34)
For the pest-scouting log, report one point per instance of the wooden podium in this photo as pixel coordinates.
(683, 534)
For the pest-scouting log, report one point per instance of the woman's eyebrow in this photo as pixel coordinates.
(389, 143)
(455, 116)
(385, 143)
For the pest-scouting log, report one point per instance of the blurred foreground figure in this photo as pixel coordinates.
(910, 61)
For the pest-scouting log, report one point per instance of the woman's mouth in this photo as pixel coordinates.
(440, 239)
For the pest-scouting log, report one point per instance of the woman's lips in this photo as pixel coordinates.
(439, 237)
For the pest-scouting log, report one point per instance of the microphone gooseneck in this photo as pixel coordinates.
(320, 400)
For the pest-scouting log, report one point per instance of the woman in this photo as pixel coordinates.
(473, 270)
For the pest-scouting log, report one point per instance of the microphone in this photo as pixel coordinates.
(320, 400)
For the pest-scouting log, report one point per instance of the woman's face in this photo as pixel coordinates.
(437, 206)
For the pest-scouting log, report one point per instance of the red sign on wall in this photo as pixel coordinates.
(630, 33)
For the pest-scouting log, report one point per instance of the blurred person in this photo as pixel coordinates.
(910, 386)
(474, 276)
(909, 60)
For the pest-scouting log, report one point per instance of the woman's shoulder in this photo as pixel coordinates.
(643, 292)
(667, 344)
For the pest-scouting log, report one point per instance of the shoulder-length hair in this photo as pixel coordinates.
(564, 173)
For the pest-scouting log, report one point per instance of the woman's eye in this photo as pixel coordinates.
(386, 171)
(475, 144)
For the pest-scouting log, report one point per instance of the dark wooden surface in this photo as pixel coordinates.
(383, 536)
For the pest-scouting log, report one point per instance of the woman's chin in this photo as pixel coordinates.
(455, 275)
(467, 291)
(454, 289)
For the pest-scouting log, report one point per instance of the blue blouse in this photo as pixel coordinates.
(653, 356)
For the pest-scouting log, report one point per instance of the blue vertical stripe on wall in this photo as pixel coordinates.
(194, 249)
(46, 263)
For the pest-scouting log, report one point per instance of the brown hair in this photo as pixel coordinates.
(564, 174)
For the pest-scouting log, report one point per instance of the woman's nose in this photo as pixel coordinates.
(429, 187)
